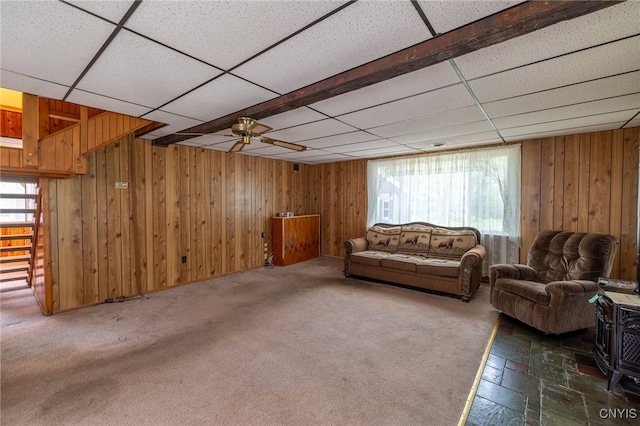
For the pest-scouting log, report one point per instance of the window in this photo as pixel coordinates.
(478, 188)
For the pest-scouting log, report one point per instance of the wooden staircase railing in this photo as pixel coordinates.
(36, 239)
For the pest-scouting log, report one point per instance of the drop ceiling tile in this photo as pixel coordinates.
(175, 123)
(362, 146)
(292, 118)
(225, 33)
(468, 139)
(445, 132)
(446, 99)
(340, 140)
(420, 81)
(632, 123)
(303, 156)
(435, 121)
(224, 95)
(615, 58)
(358, 34)
(383, 152)
(26, 84)
(612, 59)
(620, 103)
(445, 16)
(114, 11)
(317, 129)
(108, 104)
(561, 38)
(564, 132)
(135, 69)
(583, 92)
(49, 40)
(211, 139)
(571, 124)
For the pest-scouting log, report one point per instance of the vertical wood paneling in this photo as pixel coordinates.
(222, 202)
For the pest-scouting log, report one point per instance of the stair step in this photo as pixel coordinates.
(21, 258)
(13, 276)
(19, 196)
(16, 237)
(11, 269)
(15, 248)
(18, 211)
(16, 224)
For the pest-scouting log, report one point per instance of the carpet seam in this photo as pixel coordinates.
(476, 381)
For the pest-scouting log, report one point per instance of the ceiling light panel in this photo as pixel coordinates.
(137, 70)
(218, 98)
(445, 16)
(435, 121)
(108, 104)
(615, 58)
(568, 36)
(358, 34)
(420, 81)
(583, 92)
(446, 99)
(49, 40)
(622, 103)
(225, 33)
(313, 130)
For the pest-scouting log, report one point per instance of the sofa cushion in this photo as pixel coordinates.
(382, 238)
(368, 257)
(402, 262)
(530, 290)
(451, 244)
(415, 239)
(439, 267)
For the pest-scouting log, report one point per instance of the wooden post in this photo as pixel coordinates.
(30, 130)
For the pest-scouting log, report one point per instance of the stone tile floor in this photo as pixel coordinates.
(534, 379)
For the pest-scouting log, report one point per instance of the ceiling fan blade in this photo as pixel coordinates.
(237, 147)
(258, 128)
(284, 144)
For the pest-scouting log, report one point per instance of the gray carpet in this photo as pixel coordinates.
(298, 345)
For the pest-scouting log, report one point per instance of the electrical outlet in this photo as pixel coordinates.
(122, 185)
(184, 259)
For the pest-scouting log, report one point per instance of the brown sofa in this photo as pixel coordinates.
(552, 291)
(419, 254)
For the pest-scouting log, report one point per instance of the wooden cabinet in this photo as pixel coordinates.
(295, 239)
(617, 345)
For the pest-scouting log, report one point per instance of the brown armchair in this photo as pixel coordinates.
(552, 291)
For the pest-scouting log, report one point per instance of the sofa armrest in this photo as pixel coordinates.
(355, 245)
(471, 270)
(573, 286)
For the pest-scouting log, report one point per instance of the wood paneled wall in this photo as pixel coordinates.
(586, 182)
(212, 207)
(207, 205)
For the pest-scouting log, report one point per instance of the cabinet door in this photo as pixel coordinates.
(628, 337)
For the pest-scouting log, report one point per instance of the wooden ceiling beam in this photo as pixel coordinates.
(518, 20)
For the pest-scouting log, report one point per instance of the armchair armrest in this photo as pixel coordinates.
(573, 286)
(355, 245)
(514, 272)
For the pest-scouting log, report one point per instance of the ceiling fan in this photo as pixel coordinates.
(249, 129)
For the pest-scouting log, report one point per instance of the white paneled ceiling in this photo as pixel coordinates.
(188, 63)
